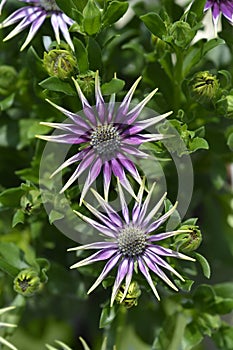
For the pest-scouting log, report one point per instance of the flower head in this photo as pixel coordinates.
(220, 6)
(34, 16)
(27, 282)
(131, 242)
(108, 136)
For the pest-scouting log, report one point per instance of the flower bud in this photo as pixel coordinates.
(27, 282)
(189, 241)
(132, 295)
(8, 76)
(59, 63)
(86, 82)
(181, 34)
(204, 86)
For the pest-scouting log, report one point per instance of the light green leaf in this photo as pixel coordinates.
(18, 217)
(204, 264)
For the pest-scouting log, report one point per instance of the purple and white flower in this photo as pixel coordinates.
(34, 16)
(220, 6)
(130, 242)
(108, 136)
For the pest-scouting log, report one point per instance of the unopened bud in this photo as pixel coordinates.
(86, 82)
(27, 282)
(189, 241)
(59, 63)
(204, 86)
(132, 295)
(181, 34)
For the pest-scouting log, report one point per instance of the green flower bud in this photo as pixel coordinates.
(86, 82)
(204, 86)
(59, 63)
(180, 33)
(131, 298)
(189, 241)
(8, 76)
(27, 282)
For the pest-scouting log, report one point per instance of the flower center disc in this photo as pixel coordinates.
(49, 5)
(105, 139)
(131, 240)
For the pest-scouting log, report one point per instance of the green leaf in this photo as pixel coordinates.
(197, 8)
(192, 336)
(81, 55)
(7, 102)
(114, 12)
(230, 141)
(94, 54)
(55, 84)
(91, 18)
(108, 314)
(11, 197)
(204, 264)
(224, 337)
(11, 258)
(8, 268)
(71, 6)
(112, 87)
(18, 217)
(154, 23)
(198, 143)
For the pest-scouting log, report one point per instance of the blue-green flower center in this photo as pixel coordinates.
(49, 5)
(105, 139)
(132, 240)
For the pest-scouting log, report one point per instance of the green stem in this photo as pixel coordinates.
(121, 322)
(178, 332)
(178, 78)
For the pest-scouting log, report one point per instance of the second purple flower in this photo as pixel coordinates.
(108, 136)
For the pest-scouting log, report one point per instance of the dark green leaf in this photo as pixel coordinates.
(82, 55)
(11, 197)
(114, 12)
(154, 23)
(94, 54)
(112, 87)
(197, 8)
(107, 316)
(91, 18)
(55, 84)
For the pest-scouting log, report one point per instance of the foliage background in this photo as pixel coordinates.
(143, 44)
